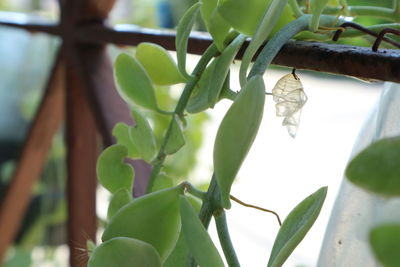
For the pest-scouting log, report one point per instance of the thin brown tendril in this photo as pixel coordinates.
(256, 207)
(381, 37)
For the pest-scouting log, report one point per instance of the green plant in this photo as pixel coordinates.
(376, 170)
(157, 217)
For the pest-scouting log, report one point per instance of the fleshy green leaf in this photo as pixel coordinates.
(176, 140)
(118, 200)
(143, 137)
(199, 242)
(159, 64)
(245, 16)
(199, 99)
(153, 218)
(178, 257)
(162, 181)
(236, 134)
(111, 170)
(121, 133)
(223, 63)
(216, 25)
(124, 252)
(133, 83)
(385, 243)
(296, 226)
(377, 167)
(185, 25)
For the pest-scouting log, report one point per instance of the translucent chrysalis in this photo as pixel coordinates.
(289, 96)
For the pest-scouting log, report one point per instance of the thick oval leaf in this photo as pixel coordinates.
(179, 255)
(377, 167)
(197, 239)
(121, 133)
(118, 200)
(385, 243)
(236, 134)
(296, 226)
(185, 25)
(124, 252)
(153, 218)
(245, 16)
(216, 25)
(162, 181)
(133, 83)
(198, 100)
(159, 64)
(111, 170)
(223, 63)
(176, 139)
(142, 137)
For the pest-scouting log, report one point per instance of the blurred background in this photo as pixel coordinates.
(278, 173)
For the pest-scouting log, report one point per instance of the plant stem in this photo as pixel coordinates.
(211, 203)
(180, 107)
(368, 11)
(273, 46)
(194, 191)
(396, 8)
(295, 8)
(224, 238)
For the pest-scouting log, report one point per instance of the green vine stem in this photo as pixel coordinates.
(295, 8)
(273, 46)
(180, 107)
(194, 191)
(369, 11)
(224, 238)
(211, 203)
(396, 8)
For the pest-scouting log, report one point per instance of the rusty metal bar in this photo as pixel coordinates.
(29, 22)
(81, 163)
(360, 62)
(32, 159)
(337, 59)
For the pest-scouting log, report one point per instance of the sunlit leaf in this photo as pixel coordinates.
(296, 226)
(245, 16)
(133, 83)
(111, 170)
(159, 64)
